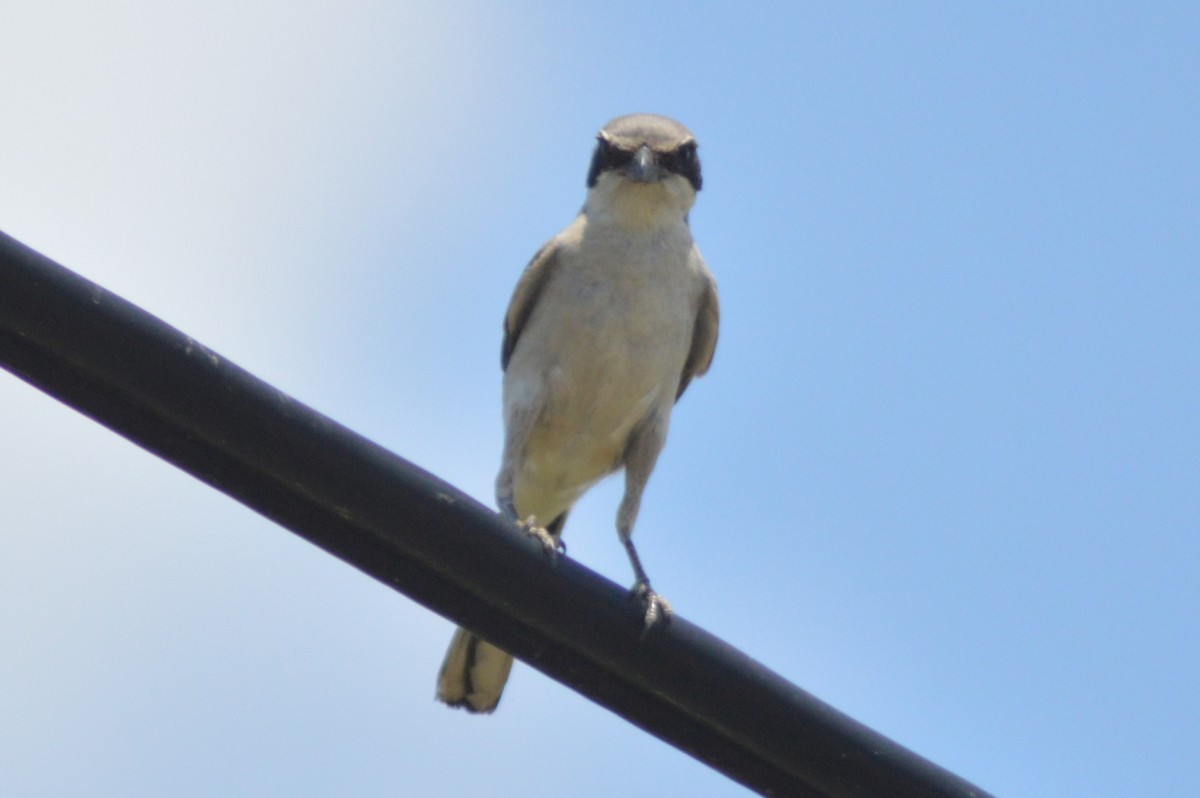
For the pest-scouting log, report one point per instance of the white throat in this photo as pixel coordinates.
(616, 199)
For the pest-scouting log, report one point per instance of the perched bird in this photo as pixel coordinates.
(608, 324)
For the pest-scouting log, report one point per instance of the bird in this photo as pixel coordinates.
(607, 326)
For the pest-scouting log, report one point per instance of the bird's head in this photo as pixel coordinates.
(644, 170)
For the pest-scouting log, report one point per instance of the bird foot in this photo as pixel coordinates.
(550, 545)
(658, 610)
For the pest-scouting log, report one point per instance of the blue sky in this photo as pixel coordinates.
(944, 473)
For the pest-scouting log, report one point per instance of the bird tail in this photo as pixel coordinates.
(473, 673)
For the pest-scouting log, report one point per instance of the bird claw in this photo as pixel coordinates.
(550, 545)
(658, 609)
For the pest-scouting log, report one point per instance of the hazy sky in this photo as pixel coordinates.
(944, 473)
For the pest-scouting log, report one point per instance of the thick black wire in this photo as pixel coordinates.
(169, 394)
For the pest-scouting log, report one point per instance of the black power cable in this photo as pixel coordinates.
(147, 381)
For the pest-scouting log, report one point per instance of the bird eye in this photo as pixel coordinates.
(605, 158)
(685, 164)
(679, 161)
(611, 156)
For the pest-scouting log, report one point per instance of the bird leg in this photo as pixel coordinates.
(640, 454)
(550, 545)
(530, 526)
(657, 607)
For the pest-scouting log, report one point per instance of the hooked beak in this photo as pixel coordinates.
(644, 166)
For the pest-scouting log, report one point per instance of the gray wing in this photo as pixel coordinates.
(704, 335)
(525, 296)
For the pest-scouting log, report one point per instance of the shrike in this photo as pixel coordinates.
(608, 324)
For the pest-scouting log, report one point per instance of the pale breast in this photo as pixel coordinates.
(604, 348)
